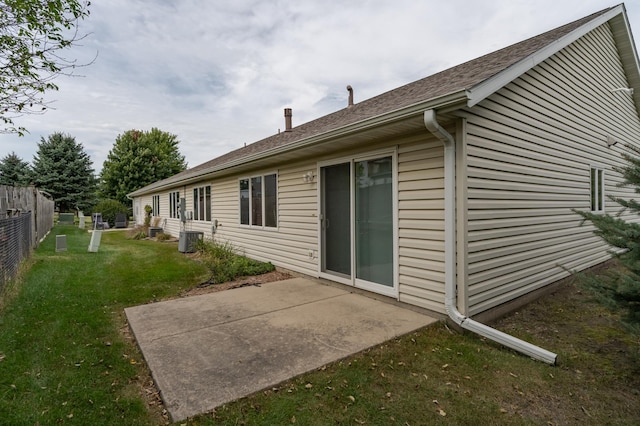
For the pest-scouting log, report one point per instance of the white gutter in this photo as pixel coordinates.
(450, 100)
(431, 122)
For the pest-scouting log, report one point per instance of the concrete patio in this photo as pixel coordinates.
(207, 350)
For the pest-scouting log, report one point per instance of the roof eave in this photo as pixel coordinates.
(443, 103)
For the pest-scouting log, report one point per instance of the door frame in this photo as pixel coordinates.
(353, 281)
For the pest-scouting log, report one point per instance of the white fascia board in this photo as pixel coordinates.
(489, 86)
(446, 101)
(628, 54)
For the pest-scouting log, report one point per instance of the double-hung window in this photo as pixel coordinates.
(202, 203)
(597, 190)
(259, 201)
(155, 205)
(174, 204)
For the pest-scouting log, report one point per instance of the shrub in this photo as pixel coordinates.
(163, 236)
(147, 215)
(225, 264)
(109, 209)
(137, 233)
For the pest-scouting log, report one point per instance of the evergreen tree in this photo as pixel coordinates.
(14, 171)
(138, 159)
(63, 169)
(622, 288)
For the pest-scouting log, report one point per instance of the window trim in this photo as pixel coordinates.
(155, 205)
(174, 204)
(250, 217)
(597, 192)
(205, 192)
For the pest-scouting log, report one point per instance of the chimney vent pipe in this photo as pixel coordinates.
(350, 89)
(287, 119)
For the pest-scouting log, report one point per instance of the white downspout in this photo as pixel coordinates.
(431, 122)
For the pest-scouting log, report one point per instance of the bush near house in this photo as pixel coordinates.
(225, 264)
(621, 289)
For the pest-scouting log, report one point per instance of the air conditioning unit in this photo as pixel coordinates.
(188, 240)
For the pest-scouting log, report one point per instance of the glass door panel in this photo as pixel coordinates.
(374, 220)
(336, 219)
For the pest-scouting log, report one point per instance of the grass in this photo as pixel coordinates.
(66, 358)
(63, 356)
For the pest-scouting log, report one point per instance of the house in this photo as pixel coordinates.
(454, 193)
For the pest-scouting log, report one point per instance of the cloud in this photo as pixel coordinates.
(218, 74)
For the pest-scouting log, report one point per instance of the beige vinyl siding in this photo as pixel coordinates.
(289, 244)
(529, 151)
(421, 223)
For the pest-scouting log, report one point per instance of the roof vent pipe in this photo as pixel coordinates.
(287, 119)
(350, 89)
(536, 352)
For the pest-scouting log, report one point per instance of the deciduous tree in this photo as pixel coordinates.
(64, 170)
(34, 34)
(137, 159)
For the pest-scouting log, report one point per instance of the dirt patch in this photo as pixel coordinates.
(256, 280)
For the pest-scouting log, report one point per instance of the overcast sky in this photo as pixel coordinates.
(218, 74)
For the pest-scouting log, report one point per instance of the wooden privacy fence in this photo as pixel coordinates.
(26, 217)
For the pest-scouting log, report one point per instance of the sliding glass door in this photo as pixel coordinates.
(358, 222)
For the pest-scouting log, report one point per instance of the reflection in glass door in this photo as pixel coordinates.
(374, 221)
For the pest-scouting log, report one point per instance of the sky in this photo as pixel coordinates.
(218, 74)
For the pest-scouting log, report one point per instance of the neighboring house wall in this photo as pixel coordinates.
(529, 151)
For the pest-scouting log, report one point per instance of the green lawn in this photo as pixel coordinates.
(66, 356)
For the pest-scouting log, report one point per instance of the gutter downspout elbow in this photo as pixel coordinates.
(431, 123)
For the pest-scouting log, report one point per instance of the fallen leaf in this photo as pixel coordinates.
(70, 416)
(388, 394)
(467, 377)
(2, 357)
(441, 412)
(351, 397)
(444, 366)
(503, 411)
(308, 386)
(293, 419)
(133, 361)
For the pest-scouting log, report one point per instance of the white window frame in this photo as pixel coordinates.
(206, 205)
(250, 223)
(174, 204)
(155, 205)
(597, 189)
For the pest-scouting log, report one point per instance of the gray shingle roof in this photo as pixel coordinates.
(456, 79)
